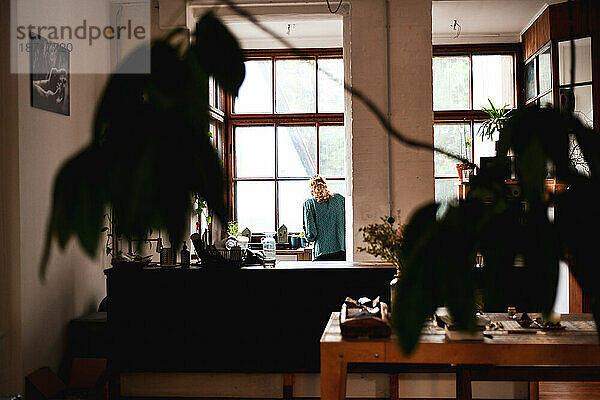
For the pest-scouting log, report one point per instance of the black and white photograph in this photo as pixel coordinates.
(50, 76)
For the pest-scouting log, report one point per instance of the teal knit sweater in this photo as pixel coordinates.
(325, 224)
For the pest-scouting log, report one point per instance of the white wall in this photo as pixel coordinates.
(34, 143)
(411, 110)
(74, 284)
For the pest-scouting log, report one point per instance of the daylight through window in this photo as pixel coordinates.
(286, 126)
(465, 80)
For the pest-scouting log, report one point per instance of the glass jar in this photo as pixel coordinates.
(512, 312)
(268, 244)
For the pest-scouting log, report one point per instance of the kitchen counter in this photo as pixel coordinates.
(198, 319)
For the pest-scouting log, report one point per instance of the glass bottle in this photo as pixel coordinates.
(185, 256)
(268, 243)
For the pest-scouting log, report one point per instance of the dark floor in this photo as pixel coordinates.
(569, 390)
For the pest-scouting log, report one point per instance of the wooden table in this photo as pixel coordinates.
(546, 355)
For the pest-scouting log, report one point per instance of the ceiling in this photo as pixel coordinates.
(481, 21)
(299, 31)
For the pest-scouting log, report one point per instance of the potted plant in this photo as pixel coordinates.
(150, 153)
(295, 241)
(490, 129)
(303, 241)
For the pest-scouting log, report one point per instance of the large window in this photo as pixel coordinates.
(465, 80)
(286, 126)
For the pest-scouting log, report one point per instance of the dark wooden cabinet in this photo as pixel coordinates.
(548, 36)
(537, 35)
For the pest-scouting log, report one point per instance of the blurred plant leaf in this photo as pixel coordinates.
(151, 151)
(506, 227)
(219, 54)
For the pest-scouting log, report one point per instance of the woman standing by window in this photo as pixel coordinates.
(324, 222)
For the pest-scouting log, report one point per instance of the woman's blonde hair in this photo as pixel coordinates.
(318, 188)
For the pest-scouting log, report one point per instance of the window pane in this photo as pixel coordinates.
(337, 186)
(255, 152)
(546, 100)
(331, 85)
(211, 91)
(450, 83)
(576, 157)
(583, 61)
(530, 86)
(256, 93)
(332, 151)
(482, 146)
(297, 151)
(545, 71)
(451, 138)
(212, 130)
(584, 106)
(291, 198)
(295, 86)
(219, 100)
(255, 206)
(493, 79)
(446, 192)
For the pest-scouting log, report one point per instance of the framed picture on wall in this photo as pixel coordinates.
(50, 75)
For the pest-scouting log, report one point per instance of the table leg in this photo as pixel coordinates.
(534, 390)
(463, 384)
(288, 386)
(333, 377)
(394, 387)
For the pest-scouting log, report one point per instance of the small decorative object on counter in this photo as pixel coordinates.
(512, 312)
(303, 241)
(295, 241)
(525, 321)
(185, 256)
(268, 243)
(282, 234)
(246, 232)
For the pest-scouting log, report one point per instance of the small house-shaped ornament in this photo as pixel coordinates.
(246, 232)
(282, 234)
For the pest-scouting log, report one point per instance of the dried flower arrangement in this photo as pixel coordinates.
(386, 241)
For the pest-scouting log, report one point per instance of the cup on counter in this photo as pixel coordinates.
(295, 242)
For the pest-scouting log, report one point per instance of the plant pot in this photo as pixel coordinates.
(303, 242)
(295, 242)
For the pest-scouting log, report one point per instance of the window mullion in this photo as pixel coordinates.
(317, 85)
(273, 82)
(471, 81)
(276, 175)
(318, 127)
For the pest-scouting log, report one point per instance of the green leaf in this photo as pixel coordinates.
(415, 296)
(219, 53)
